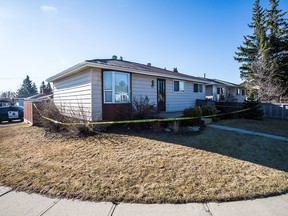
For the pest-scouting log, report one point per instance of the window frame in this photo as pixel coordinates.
(179, 86)
(221, 91)
(198, 87)
(113, 87)
(238, 91)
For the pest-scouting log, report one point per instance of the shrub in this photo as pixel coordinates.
(208, 110)
(143, 109)
(49, 110)
(228, 107)
(193, 112)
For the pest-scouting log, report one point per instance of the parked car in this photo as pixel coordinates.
(11, 113)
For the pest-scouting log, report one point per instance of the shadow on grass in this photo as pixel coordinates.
(255, 149)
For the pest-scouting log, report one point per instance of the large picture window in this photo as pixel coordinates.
(116, 87)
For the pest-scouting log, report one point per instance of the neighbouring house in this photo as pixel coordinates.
(5, 102)
(104, 89)
(219, 90)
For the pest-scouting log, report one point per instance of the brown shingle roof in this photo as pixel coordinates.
(137, 66)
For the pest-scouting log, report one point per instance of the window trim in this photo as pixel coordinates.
(179, 86)
(113, 87)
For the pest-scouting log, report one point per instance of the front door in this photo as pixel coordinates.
(161, 95)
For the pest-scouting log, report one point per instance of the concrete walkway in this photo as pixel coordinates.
(22, 204)
(248, 132)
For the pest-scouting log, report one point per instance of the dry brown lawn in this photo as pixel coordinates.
(143, 167)
(271, 126)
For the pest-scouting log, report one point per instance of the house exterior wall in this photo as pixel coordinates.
(178, 101)
(142, 86)
(96, 91)
(211, 92)
(175, 101)
(81, 94)
(72, 95)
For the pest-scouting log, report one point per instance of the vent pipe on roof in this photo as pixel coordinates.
(204, 75)
(121, 58)
(114, 57)
(149, 64)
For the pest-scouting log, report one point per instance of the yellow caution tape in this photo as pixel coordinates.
(136, 121)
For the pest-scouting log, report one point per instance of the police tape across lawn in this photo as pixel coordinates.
(138, 120)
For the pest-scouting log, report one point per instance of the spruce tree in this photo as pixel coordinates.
(42, 86)
(248, 51)
(254, 106)
(48, 86)
(277, 26)
(28, 88)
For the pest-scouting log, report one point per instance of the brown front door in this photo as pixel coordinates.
(161, 95)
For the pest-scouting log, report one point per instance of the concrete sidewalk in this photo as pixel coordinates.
(248, 132)
(22, 204)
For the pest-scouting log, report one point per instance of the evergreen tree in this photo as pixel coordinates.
(42, 86)
(175, 70)
(278, 44)
(254, 106)
(249, 50)
(48, 86)
(28, 88)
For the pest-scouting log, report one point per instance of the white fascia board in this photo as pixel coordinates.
(74, 69)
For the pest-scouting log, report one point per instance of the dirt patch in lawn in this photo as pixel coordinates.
(271, 126)
(144, 167)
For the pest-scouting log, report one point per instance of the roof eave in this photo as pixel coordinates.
(111, 67)
(74, 69)
(86, 64)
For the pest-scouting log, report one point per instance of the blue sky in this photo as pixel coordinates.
(41, 38)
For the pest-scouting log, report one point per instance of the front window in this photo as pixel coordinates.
(220, 90)
(179, 86)
(237, 91)
(243, 92)
(198, 87)
(116, 87)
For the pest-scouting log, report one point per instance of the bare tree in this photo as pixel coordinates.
(264, 83)
(8, 94)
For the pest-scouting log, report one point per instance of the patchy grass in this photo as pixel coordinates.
(271, 126)
(143, 167)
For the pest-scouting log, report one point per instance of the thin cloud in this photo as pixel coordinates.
(49, 9)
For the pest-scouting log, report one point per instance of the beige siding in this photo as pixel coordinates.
(96, 94)
(72, 95)
(175, 101)
(141, 86)
(178, 101)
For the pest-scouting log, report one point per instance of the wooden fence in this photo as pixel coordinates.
(275, 110)
(31, 115)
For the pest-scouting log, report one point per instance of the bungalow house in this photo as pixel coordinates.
(219, 90)
(104, 89)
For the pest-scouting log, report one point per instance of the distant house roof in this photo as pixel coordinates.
(121, 65)
(224, 83)
(39, 97)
